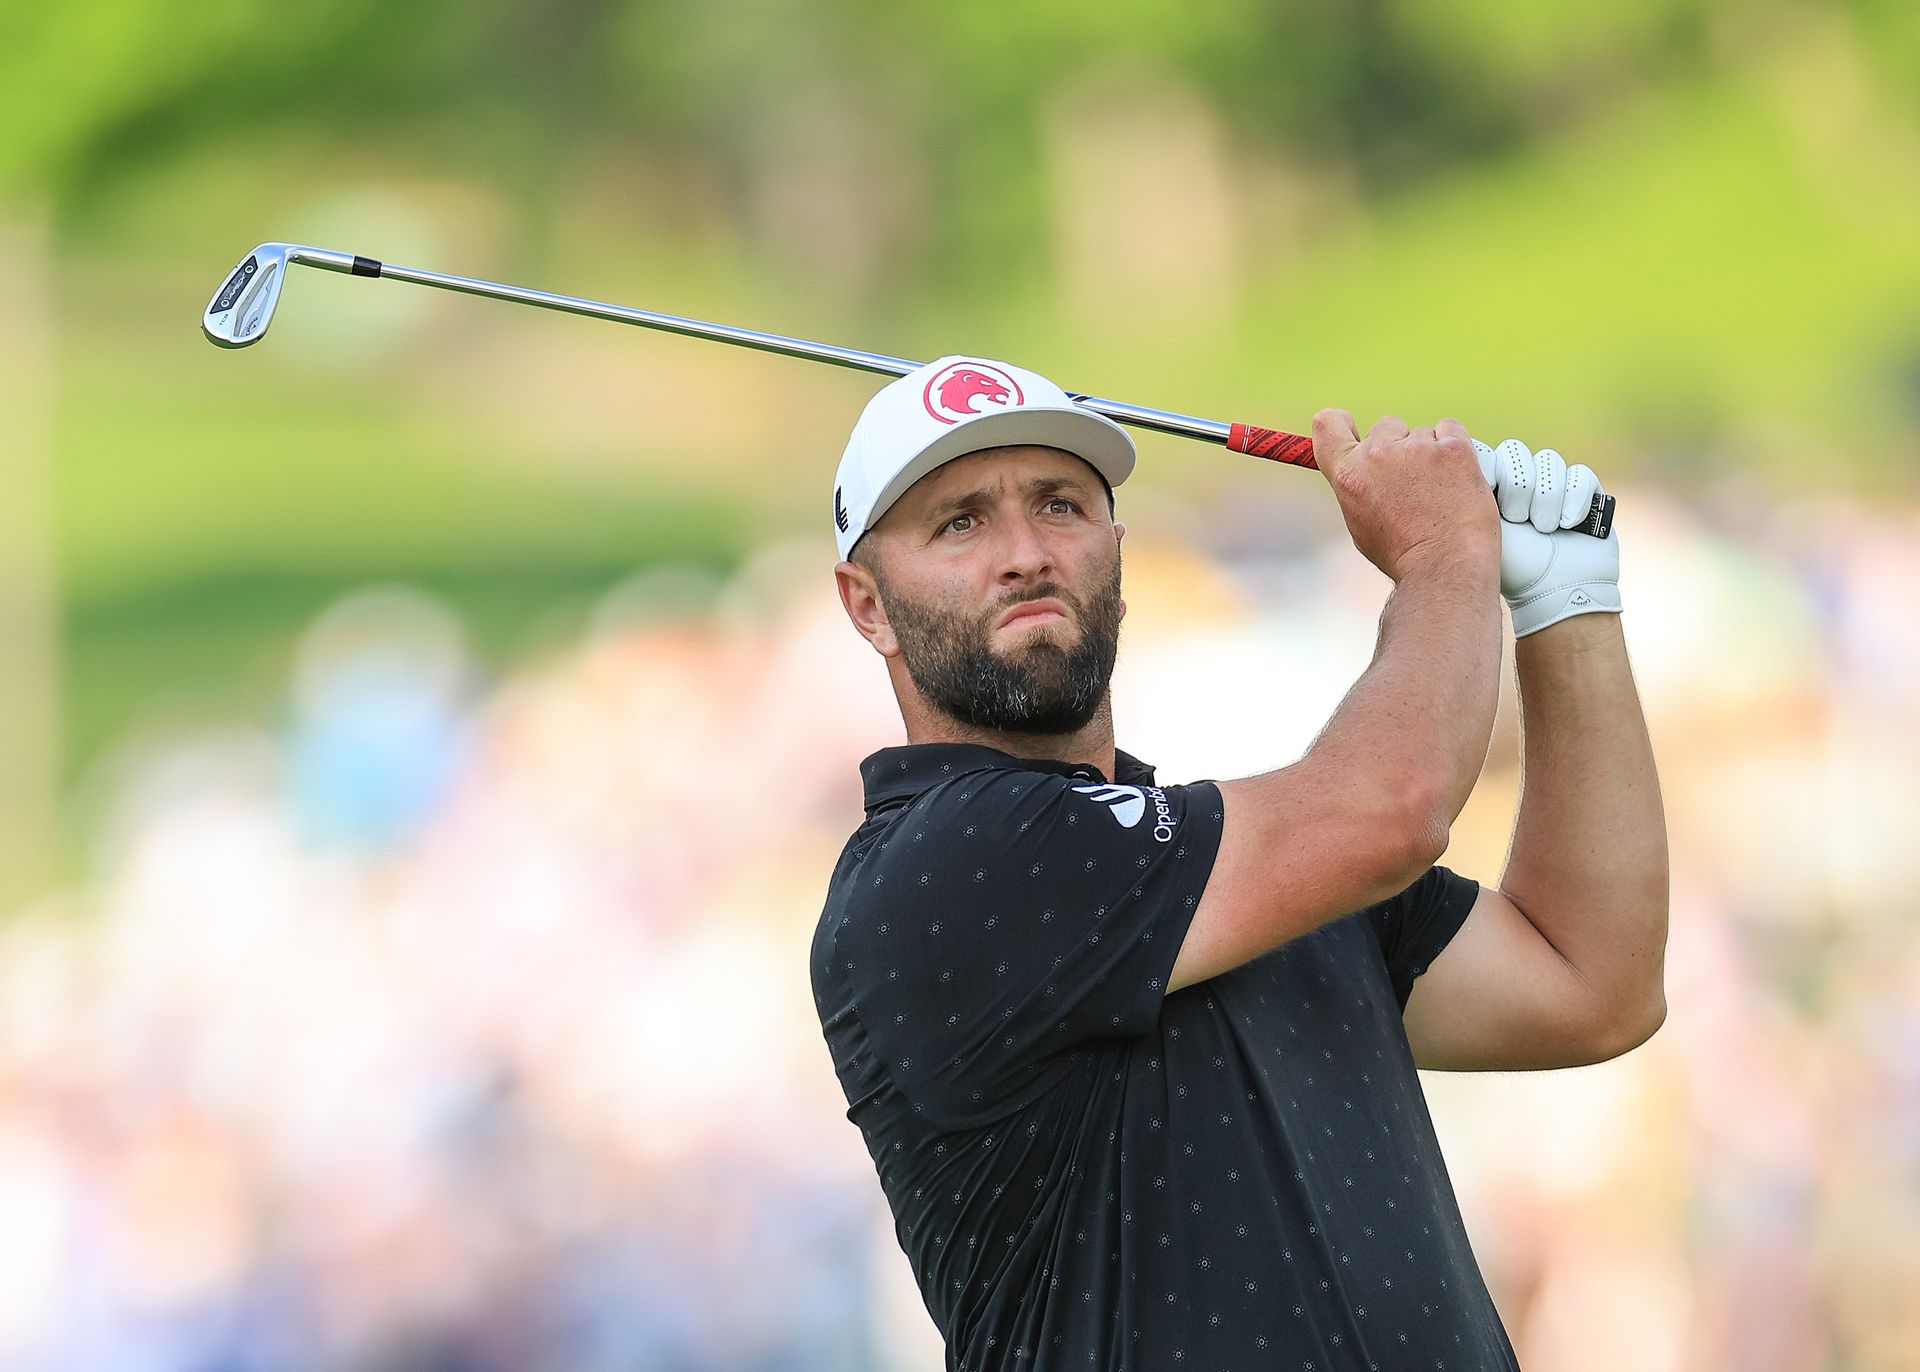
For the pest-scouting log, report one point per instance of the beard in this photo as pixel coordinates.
(1040, 686)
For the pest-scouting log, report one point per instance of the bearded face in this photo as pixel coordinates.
(1048, 678)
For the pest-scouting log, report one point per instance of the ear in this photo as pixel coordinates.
(860, 597)
(1119, 531)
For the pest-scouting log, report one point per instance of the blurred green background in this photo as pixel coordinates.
(353, 912)
(1681, 236)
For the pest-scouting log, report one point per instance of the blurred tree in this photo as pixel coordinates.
(851, 98)
(29, 639)
(1890, 30)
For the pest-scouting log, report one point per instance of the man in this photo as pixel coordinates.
(1136, 1063)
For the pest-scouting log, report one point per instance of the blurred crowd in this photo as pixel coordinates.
(456, 1025)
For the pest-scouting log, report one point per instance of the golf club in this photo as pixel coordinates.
(241, 310)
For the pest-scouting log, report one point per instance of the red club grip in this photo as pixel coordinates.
(1279, 446)
(1273, 444)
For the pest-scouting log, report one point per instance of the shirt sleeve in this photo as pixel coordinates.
(1415, 925)
(1012, 916)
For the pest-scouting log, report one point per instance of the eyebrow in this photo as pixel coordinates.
(1040, 485)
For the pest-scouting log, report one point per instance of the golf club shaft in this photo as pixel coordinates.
(1274, 444)
(1186, 426)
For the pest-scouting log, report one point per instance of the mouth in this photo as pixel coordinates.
(1043, 611)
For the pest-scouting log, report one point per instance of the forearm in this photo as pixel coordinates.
(1421, 716)
(1588, 865)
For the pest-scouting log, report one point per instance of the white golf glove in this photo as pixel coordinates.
(1547, 571)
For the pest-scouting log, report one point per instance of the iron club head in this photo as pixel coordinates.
(242, 308)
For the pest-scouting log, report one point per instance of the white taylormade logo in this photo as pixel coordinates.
(1128, 803)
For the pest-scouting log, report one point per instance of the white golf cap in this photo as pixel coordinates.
(948, 408)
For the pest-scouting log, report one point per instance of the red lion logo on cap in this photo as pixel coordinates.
(959, 389)
(953, 390)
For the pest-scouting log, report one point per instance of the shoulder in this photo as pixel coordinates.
(965, 827)
(963, 817)
(1020, 809)
(983, 795)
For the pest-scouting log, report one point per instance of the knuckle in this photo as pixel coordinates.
(1334, 423)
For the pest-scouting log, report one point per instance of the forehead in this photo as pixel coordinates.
(999, 470)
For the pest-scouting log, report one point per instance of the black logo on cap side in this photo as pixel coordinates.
(839, 511)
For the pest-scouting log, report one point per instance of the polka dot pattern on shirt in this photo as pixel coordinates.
(1085, 1172)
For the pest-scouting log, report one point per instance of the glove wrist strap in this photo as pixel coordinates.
(1535, 611)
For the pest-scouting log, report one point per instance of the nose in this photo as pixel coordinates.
(1024, 556)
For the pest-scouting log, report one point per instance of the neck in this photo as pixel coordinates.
(1090, 745)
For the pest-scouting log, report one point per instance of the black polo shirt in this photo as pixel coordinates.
(1088, 1173)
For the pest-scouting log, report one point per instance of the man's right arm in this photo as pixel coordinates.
(1368, 808)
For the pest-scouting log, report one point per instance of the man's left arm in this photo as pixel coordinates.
(1563, 964)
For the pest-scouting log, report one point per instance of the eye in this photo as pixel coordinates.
(1071, 507)
(949, 526)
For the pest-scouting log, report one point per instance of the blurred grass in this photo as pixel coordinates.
(158, 485)
(197, 539)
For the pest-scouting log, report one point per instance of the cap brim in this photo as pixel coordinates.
(1093, 438)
